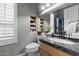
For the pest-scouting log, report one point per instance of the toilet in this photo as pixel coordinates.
(32, 49)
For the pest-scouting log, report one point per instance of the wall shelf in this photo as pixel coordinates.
(32, 23)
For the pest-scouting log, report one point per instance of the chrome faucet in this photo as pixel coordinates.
(70, 34)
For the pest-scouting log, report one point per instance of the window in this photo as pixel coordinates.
(7, 24)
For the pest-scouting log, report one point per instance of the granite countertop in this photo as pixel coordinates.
(72, 47)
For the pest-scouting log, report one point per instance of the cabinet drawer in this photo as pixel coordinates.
(43, 53)
(52, 51)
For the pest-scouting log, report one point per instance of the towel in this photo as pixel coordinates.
(71, 28)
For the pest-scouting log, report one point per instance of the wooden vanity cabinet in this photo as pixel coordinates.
(47, 50)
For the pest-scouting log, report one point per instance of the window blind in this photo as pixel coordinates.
(7, 21)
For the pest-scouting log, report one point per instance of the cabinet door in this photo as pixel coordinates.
(51, 51)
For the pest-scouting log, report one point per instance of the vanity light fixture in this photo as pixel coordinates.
(52, 7)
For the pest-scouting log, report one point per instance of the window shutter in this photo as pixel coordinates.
(7, 22)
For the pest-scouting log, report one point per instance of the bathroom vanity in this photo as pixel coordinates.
(48, 48)
(66, 26)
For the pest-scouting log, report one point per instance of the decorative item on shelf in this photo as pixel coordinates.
(42, 31)
(39, 33)
(49, 29)
(48, 32)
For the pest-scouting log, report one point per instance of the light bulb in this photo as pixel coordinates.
(47, 4)
(42, 7)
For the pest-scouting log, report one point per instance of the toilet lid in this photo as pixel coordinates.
(32, 45)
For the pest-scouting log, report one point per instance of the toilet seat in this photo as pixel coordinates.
(31, 47)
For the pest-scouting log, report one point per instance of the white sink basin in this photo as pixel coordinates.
(58, 40)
